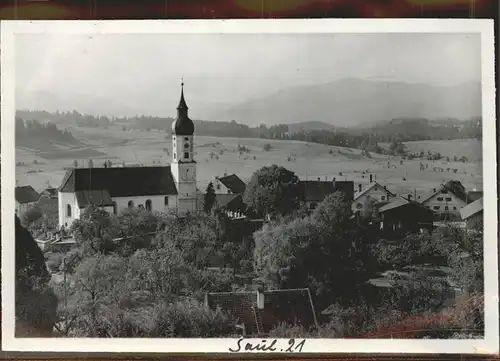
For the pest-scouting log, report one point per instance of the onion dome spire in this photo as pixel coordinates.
(182, 125)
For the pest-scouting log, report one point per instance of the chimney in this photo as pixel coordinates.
(260, 298)
(359, 187)
(371, 178)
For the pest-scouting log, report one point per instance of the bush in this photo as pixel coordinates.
(54, 261)
(190, 318)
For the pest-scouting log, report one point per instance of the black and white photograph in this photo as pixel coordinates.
(249, 186)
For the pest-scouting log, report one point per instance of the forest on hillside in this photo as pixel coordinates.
(391, 131)
(32, 134)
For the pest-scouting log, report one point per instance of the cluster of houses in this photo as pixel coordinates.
(174, 188)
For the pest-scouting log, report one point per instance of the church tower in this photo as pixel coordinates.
(183, 164)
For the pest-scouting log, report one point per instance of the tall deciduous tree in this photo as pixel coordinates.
(272, 190)
(95, 230)
(320, 252)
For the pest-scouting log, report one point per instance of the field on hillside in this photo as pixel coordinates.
(309, 160)
(470, 148)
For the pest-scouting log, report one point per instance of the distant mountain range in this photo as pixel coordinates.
(341, 103)
(354, 102)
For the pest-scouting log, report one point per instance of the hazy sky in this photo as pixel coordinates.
(234, 67)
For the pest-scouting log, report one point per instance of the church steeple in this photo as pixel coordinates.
(182, 103)
(182, 125)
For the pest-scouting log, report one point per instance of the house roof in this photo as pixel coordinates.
(292, 306)
(233, 183)
(26, 194)
(450, 186)
(399, 202)
(474, 195)
(94, 197)
(371, 186)
(317, 191)
(228, 200)
(472, 208)
(121, 182)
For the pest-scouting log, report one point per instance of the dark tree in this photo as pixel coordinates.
(209, 198)
(272, 190)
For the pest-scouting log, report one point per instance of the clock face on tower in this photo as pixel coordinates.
(189, 174)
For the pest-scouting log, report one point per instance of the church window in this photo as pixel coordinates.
(186, 155)
(186, 139)
(68, 210)
(115, 208)
(174, 138)
(186, 145)
(166, 200)
(130, 204)
(175, 155)
(148, 205)
(454, 208)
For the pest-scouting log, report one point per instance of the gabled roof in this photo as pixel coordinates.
(233, 183)
(121, 181)
(291, 306)
(229, 201)
(472, 209)
(450, 186)
(399, 202)
(317, 191)
(94, 198)
(26, 194)
(371, 186)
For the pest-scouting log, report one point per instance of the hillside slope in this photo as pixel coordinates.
(351, 102)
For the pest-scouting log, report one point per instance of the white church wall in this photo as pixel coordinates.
(157, 202)
(64, 200)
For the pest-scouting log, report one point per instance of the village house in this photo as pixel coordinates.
(229, 184)
(159, 188)
(258, 312)
(447, 200)
(26, 197)
(402, 215)
(368, 200)
(472, 214)
(314, 192)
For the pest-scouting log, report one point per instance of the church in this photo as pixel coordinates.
(159, 188)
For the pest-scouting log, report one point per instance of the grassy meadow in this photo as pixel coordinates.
(308, 160)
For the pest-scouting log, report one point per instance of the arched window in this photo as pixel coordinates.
(115, 208)
(148, 205)
(130, 204)
(166, 201)
(68, 210)
(186, 155)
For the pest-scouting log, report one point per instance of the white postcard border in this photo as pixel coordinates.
(490, 344)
